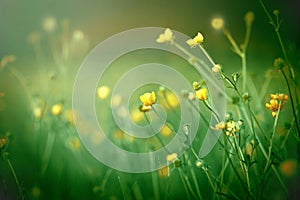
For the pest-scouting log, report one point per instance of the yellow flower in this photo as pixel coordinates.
(220, 126)
(56, 109)
(165, 37)
(217, 23)
(273, 105)
(172, 157)
(217, 68)
(279, 96)
(163, 171)
(202, 94)
(197, 40)
(147, 99)
(103, 92)
(166, 131)
(196, 85)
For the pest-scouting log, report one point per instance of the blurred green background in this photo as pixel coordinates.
(77, 175)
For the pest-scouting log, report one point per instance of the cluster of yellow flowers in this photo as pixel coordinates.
(276, 103)
(230, 128)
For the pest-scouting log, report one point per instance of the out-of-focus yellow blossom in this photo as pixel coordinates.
(97, 138)
(217, 68)
(147, 99)
(220, 126)
(273, 105)
(163, 171)
(128, 137)
(166, 131)
(197, 40)
(78, 35)
(217, 23)
(3, 142)
(172, 157)
(136, 115)
(103, 92)
(69, 117)
(191, 96)
(73, 143)
(116, 100)
(119, 134)
(172, 99)
(288, 168)
(165, 37)
(36, 192)
(38, 112)
(49, 24)
(201, 94)
(56, 109)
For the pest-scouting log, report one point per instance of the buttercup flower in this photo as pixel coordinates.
(202, 94)
(273, 105)
(147, 99)
(197, 40)
(165, 37)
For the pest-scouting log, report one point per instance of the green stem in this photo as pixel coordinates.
(15, 177)
(292, 102)
(184, 184)
(272, 138)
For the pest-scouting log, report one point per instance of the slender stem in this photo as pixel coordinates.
(196, 182)
(272, 137)
(184, 184)
(15, 177)
(243, 165)
(292, 102)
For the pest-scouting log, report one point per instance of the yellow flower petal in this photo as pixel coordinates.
(165, 37)
(202, 94)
